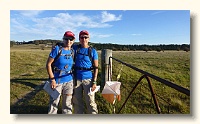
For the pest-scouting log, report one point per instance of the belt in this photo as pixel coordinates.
(83, 68)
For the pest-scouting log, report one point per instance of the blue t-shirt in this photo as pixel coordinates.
(82, 60)
(63, 63)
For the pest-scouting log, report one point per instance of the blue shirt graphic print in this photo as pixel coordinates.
(63, 63)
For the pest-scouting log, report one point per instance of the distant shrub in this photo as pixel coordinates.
(12, 43)
(158, 49)
(145, 49)
(186, 49)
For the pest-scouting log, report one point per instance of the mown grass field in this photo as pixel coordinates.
(27, 72)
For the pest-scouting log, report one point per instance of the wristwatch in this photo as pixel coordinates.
(94, 82)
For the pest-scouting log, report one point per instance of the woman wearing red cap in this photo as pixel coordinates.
(61, 75)
(86, 70)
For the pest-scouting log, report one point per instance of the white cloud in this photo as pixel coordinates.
(65, 20)
(30, 13)
(29, 23)
(107, 17)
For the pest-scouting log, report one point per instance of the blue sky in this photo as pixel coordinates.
(105, 26)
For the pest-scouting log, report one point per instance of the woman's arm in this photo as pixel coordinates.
(50, 72)
(95, 70)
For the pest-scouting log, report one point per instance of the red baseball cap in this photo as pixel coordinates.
(83, 32)
(69, 34)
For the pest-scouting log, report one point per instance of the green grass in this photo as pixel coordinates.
(173, 66)
(27, 71)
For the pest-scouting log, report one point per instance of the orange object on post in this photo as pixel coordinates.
(111, 91)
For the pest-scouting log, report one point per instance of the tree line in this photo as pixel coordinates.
(115, 47)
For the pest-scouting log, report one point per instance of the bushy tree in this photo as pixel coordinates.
(158, 49)
(12, 43)
(145, 49)
(36, 42)
(186, 49)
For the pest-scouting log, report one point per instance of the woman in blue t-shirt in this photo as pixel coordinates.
(86, 70)
(60, 74)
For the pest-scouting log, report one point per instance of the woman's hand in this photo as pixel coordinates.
(53, 84)
(93, 87)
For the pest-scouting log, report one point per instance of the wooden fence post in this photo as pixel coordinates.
(106, 66)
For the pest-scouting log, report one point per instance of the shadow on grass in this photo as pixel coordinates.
(28, 109)
(22, 106)
(25, 81)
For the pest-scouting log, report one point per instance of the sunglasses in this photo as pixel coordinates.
(84, 37)
(68, 39)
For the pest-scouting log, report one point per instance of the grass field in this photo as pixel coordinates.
(27, 72)
(173, 66)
